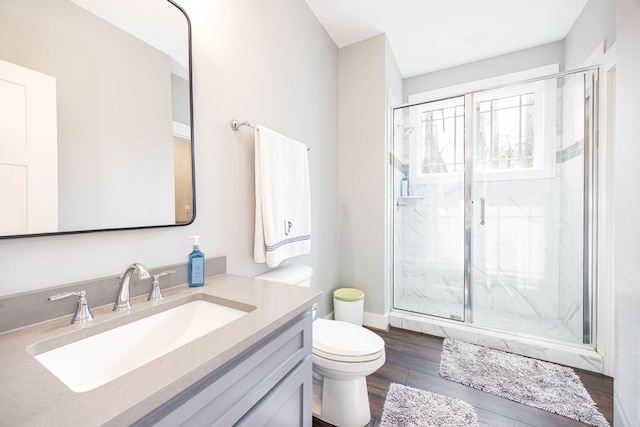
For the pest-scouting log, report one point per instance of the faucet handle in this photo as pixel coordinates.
(156, 292)
(83, 313)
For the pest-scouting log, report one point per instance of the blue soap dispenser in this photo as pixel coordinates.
(196, 264)
(404, 186)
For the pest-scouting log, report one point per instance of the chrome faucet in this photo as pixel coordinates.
(156, 292)
(83, 312)
(123, 300)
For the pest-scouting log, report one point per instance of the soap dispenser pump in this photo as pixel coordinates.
(196, 264)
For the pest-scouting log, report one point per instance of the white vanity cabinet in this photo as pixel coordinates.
(270, 384)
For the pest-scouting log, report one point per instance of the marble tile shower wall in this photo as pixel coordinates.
(433, 261)
(398, 239)
(400, 168)
(516, 252)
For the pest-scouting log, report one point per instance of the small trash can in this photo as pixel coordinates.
(348, 305)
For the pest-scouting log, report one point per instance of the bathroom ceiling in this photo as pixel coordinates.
(430, 35)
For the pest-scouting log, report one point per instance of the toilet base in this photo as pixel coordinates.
(343, 403)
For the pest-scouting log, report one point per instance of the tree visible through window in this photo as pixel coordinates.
(512, 129)
(506, 132)
(443, 143)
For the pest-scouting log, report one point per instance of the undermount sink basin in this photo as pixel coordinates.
(92, 361)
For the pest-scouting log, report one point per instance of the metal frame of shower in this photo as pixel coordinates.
(590, 188)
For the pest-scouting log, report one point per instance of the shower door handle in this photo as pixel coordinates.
(482, 203)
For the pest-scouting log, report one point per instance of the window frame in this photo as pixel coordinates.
(477, 88)
(544, 131)
(415, 144)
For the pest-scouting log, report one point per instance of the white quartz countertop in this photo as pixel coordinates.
(32, 396)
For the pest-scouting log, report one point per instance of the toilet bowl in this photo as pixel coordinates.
(343, 356)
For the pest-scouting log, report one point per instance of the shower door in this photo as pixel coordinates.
(429, 220)
(530, 184)
(496, 228)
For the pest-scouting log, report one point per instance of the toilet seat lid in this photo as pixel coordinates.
(343, 339)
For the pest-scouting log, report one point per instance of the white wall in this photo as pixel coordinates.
(369, 81)
(596, 22)
(361, 169)
(267, 62)
(538, 56)
(627, 224)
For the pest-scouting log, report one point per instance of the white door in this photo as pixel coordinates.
(28, 151)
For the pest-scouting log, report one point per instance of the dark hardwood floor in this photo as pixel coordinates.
(413, 359)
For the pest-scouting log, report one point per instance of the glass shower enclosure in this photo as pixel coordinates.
(494, 196)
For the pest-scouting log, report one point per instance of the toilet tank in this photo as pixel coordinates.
(295, 274)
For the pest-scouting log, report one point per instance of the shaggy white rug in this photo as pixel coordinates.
(543, 385)
(410, 407)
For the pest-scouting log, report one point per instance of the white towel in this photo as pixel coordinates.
(283, 199)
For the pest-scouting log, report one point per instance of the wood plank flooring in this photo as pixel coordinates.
(413, 359)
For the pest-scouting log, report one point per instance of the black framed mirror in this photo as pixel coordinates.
(95, 116)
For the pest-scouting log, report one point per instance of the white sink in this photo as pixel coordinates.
(93, 361)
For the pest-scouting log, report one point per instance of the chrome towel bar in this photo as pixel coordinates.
(236, 124)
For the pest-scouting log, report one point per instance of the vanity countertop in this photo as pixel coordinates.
(31, 396)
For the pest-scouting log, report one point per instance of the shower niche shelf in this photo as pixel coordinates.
(402, 200)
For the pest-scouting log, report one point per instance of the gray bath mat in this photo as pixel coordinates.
(532, 382)
(410, 407)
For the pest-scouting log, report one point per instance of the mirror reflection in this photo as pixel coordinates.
(95, 116)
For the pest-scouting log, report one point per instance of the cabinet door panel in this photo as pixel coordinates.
(227, 394)
(287, 405)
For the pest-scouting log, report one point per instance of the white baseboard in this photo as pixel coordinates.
(376, 321)
(372, 320)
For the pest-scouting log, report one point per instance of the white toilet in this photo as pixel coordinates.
(343, 355)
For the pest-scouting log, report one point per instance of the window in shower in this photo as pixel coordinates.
(515, 132)
(442, 142)
(506, 132)
(436, 149)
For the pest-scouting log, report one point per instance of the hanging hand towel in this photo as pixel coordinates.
(283, 199)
